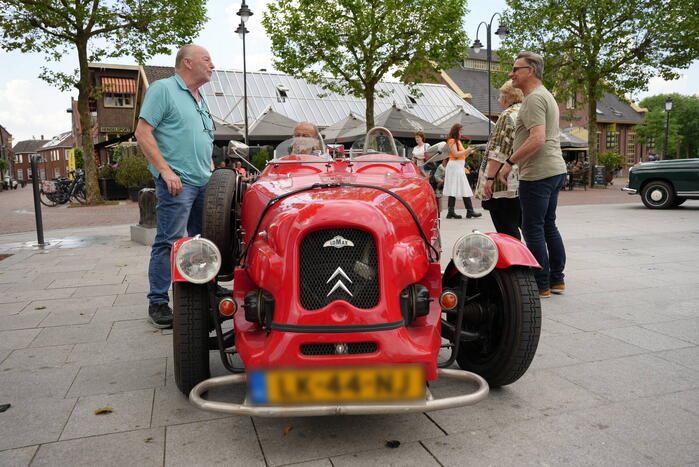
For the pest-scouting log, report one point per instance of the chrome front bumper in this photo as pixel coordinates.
(630, 191)
(429, 404)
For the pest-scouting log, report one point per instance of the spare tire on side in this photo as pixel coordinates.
(221, 216)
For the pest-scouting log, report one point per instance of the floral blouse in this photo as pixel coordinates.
(500, 147)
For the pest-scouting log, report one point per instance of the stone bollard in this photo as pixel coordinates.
(146, 207)
(144, 232)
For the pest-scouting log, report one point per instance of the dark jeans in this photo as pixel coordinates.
(175, 214)
(451, 203)
(506, 215)
(539, 199)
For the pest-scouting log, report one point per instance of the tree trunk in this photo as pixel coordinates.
(89, 163)
(591, 128)
(369, 98)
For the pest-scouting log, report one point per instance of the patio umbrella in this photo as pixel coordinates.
(474, 127)
(400, 123)
(347, 124)
(569, 140)
(271, 125)
(225, 131)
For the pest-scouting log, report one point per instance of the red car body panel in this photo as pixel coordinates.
(273, 261)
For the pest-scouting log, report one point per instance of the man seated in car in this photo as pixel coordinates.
(306, 139)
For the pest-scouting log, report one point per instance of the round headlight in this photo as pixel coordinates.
(475, 255)
(198, 260)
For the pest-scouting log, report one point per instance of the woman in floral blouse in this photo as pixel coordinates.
(502, 201)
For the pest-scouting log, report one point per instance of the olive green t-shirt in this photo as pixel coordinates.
(539, 108)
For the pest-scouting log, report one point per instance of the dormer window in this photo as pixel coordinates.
(282, 93)
(410, 101)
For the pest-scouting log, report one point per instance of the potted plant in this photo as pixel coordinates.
(133, 174)
(612, 162)
(109, 188)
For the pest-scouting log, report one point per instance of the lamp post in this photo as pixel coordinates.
(668, 108)
(242, 31)
(477, 46)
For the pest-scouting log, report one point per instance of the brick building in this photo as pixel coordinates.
(23, 151)
(6, 152)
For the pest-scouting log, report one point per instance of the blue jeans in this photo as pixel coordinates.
(175, 213)
(539, 199)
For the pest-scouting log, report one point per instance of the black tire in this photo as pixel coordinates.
(679, 200)
(47, 199)
(510, 338)
(80, 195)
(190, 335)
(658, 195)
(221, 210)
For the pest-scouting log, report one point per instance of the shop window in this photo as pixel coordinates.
(56, 172)
(118, 100)
(631, 148)
(20, 174)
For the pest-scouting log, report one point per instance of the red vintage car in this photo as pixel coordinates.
(339, 304)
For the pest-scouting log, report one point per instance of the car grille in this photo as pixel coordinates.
(331, 349)
(347, 273)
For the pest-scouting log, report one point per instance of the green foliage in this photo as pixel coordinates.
(133, 171)
(611, 160)
(348, 46)
(260, 159)
(684, 124)
(107, 171)
(117, 154)
(96, 30)
(79, 158)
(593, 46)
(4, 165)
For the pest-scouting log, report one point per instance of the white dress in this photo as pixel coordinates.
(455, 181)
(419, 155)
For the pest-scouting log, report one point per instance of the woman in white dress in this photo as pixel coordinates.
(419, 150)
(455, 181)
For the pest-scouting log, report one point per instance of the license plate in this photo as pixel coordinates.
(356, 384)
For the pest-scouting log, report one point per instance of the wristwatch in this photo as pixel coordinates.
(509, 161)
(490, 178)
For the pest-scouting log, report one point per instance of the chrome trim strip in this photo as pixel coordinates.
(429, 404)
(630, 191)
(688, 193)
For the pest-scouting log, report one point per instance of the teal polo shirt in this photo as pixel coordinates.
(183, 130)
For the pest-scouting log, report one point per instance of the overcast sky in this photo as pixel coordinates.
(29, 107)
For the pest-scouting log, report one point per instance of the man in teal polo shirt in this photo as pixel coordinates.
(176, 133)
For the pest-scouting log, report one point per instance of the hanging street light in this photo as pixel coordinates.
(242, 31)
(478, 46)
(668, 108)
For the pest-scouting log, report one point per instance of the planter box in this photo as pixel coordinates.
(111, 190)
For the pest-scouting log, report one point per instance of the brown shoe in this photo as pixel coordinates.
(558, 289)
(545, 293)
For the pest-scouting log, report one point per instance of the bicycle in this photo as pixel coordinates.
(61, 190)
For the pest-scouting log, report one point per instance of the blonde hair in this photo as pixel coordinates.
(511, 93)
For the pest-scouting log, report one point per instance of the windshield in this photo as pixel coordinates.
(378, 141)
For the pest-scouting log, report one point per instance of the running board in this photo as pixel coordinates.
(430, 403)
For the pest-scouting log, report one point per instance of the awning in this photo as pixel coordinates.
(399, 122)
(474, 128)
(118, 85)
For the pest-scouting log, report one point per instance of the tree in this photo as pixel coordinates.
(593, 46)
(348, 46)
(4, 165)
(684, 124)
(96, 29)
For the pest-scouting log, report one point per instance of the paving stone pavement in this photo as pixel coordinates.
(615, 380)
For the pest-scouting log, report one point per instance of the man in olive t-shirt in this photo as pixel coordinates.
(542, 171)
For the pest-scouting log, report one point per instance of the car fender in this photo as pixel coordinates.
(512, 252)
(176, 276)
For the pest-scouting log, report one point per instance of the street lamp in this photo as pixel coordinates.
(244, 14)
(668, 108)
(477, 46)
